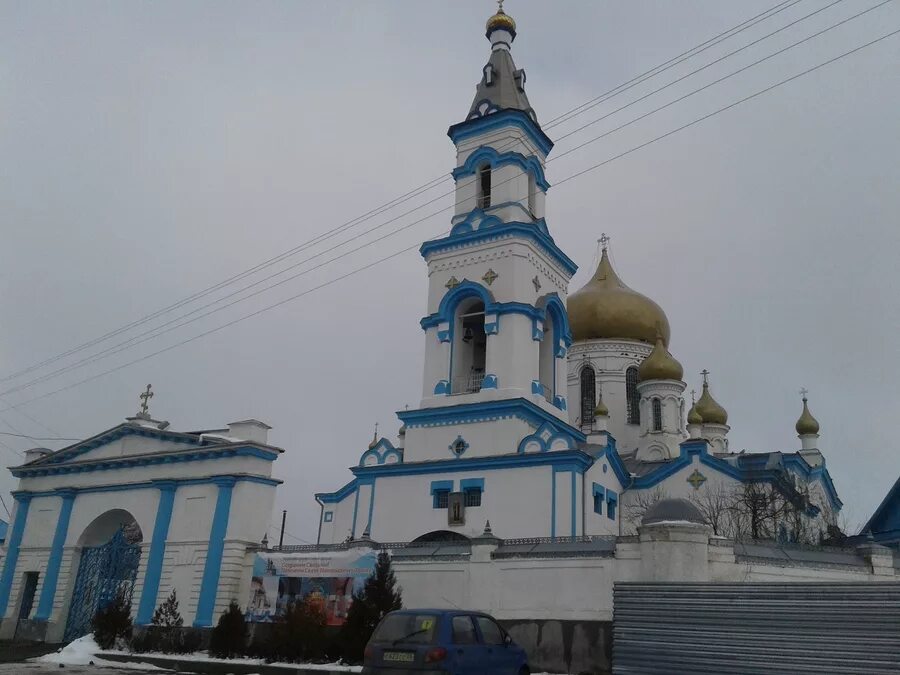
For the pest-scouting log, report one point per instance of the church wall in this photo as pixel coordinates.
(594, 523)
(484, 439)
(516, 501)
(134, 445)
(341, 524)
(185, 470)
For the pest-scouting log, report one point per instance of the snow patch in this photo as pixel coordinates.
(83, 652)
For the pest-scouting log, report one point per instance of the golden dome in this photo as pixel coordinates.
(660, 364)
(807, 424)
(601, 410)
(606, 308)
(693, 417)
(710, 411)
(500, 21)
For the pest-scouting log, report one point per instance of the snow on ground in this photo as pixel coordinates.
(83, 652)
(202, 656)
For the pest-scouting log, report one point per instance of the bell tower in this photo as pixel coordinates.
(496, 327)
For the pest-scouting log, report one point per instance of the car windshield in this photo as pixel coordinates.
(408, 628)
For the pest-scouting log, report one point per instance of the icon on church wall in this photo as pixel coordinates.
(459, 446)
(696, 479)
(456, 509)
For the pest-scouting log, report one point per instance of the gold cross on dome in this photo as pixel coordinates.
(693, 396)
(803, 392)
(603, 241)
(705, 374)
(696, 479)
(145, 398)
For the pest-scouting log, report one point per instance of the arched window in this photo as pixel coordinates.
(657, 415)
(532, 197)
(469, 348)
(547, 365)
(588, 396)
(633, 398)
(484, 186)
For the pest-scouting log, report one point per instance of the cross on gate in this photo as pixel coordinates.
(145, 398)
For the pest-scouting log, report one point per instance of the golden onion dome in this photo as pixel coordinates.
(807, 424)
(693, 417)
(660, 364)
(500, 21)
(709, 410)
(606, 308)
(601, 410)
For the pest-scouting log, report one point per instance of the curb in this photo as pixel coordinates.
(214, 668)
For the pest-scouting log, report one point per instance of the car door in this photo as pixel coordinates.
(468, 653)
(498, 657)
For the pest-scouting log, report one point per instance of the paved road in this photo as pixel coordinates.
(54, 669)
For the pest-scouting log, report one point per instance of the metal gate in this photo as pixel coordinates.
(104, 571)
(750, 628)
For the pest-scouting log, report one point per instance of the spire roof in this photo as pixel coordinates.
(502, 85)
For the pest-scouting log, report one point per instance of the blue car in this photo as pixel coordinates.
(433, 641)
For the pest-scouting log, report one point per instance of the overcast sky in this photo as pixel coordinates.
(149, 150)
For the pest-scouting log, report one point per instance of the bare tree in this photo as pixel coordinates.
(635, 504)
(716, 503)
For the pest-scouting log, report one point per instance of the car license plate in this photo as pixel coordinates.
(400, 657)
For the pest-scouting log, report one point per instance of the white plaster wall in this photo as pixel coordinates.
(496, 437)
(183, 470)
(340, 527)
(600, 524)
(134, 445)
(251, 512)
(515, 500)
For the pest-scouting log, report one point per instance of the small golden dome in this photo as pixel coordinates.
(601, 410)
(660, 364)
(693, 417)
(708, 409)
(807, 424)
(500, 21)
(606, 308)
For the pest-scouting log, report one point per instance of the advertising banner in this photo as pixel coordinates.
(325, 579)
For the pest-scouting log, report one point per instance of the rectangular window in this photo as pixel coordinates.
(440, 493)
(599, 493)
(473, 497)
(441, 499)
(329, 516)
(472, 488)
(612, 499)
(532, 188)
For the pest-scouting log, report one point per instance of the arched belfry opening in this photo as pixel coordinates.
(107, 557)
(469, 348)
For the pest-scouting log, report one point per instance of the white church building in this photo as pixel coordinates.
(541, 412)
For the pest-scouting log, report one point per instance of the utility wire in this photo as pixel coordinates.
(168, 327)
(419, 190)
(32, 438)
(393, 255)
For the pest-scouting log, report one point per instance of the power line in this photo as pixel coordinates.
(393, 255)
(168, 327)
(32, 438)
(419, 190)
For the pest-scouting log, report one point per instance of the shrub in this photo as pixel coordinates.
(299, 634)
(229, 637)
(167, 623)
(113, 621)
(379, 596)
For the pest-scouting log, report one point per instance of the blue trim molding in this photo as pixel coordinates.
(12, 550)
(339, 495)
(206, 604)
(381, 451)
(471, 484)
(488, 155)
(157, 552)
(598, 492)
(470, 413)
(492, 231)
(570, 460)
(489, 382)
(51, 576)
(151, 459)
(438, 487)
(544, 438)
(508, 117)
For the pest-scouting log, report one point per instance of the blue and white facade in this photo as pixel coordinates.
(522, 422)
(196, 505)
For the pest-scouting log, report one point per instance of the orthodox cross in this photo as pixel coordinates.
(145, 398)
(489, 277)
(696, 479)
(375, 437)
(705, 374)
(803, 392)
(693, 396)
(452, 283)
(499, 6)
(603, 241)
(537, 284)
